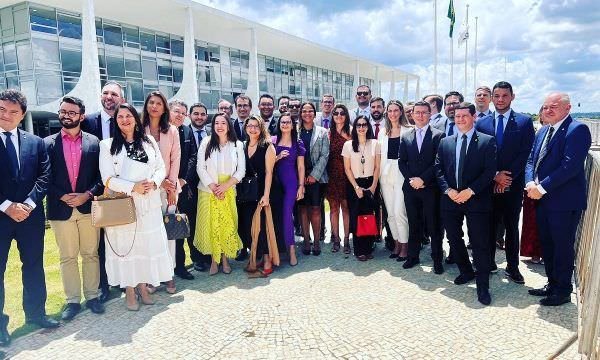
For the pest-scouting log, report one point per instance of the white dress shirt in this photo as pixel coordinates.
(105, 124)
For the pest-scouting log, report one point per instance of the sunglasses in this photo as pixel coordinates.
(294, 106)
(339, 113)
(362, 93)
(362, 125)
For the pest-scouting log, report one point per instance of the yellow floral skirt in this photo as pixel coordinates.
(217, 224)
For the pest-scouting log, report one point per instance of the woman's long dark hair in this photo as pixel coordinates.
(314, 112)
(294, 133)
(403, 119)
(370, 133)
(213, 144)
(346, 128)
(165, 118)
(139, 135)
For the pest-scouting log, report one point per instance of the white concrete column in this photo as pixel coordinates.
(252, 90)
(377, 89)
(88, 87)
(28, 121)
(405, 97)
(188, 92)
(418, 89)
(393, 87)
(356, 75)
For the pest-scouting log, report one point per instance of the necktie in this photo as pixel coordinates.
(198, 137)
(241, 126)
(111, 127)
(543, 150)
(500, 131)
(450, 128)
(326, 123)
(481, 115)
(419, 138)
(376, 130)
(461, 162)
(12, 155)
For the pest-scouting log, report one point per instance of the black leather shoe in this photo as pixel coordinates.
(425, 241)
(464, 278)
(483, 296)
(298, 231)
(438, 268)
(555, 300)
(401, 258)
(494, 268)
(71, 309)
(44, 322)
(104, 295)
(95, 306)
(449, 260)
(243, 255)
(515, 276)
(378, 239)
(200, 266)
(184, 274)
(545, 291)
(393, 256)
(410, 263)
(4, 336)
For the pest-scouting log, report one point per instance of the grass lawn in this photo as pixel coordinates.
(14, 287)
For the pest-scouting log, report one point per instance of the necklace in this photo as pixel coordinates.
(362, 157)
(252, 145)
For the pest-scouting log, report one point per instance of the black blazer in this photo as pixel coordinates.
(34, 173)
(413, 163)
(93, 125)
(88, 179)
(238, 132)
(189, 153)
(479, 171)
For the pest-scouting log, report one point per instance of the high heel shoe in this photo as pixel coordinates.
(226, 270)
(139, 295)
(267, 271)
(212, 272)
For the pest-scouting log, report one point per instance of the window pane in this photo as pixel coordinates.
(49, 88)
(149, 69)
(43, 17)
(113, 35)
(177, 47)
(135, 89)
(69, 26)
(214, 53)
(132, 63)
(21, 21)
(114, 65)
(164, 67)
(163, 44)
(99, 31)
(71, 60)
(177, 72)
(131, 35)
(202, 53)
(226, 78)
(203, 75)
(147, 41)
(245, 59)
(24, 55)
(225, 56)
(45, 54)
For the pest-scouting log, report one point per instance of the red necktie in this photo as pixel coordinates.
(376, 130)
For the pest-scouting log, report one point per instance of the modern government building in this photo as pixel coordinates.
(187, 50)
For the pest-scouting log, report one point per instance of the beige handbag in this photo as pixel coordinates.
(271, 240)
(112, 209)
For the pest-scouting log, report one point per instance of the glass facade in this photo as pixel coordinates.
(41, 55)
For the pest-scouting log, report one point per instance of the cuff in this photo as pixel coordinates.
(472, 192)
(530, 184)
(30, 203)
(541, 189)
(4, 206)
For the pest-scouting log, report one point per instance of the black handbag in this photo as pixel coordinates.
(177, 226)
(247, 189)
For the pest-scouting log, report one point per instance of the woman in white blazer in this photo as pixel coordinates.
(391, 180)
(136, 254)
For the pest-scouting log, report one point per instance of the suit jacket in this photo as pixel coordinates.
(238, 132)
(319, 153)
(272, 125)
(88, 179)
(413, 163)
(187, 168)
(561, 171)
(33, 177)
(479, 171)
(93, 125)
(516, 145)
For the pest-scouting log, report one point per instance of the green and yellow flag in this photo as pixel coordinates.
(451, 16)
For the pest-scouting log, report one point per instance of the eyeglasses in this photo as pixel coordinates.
(67, 113)
(339, 113)
(329, 102)
(362, 125)
(252, 126)
(420, 113)
(179, 113)
(285, 122)
(362, 93)
(453, 104)
(266, 104)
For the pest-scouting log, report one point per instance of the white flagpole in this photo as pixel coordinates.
(466, 51)
(451, 63)
(475, 65)
(435, 48)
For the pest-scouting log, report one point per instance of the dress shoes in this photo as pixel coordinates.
(483, 296)
(104, 295)
(555, 300)
(184, 274)
(4, 336)
(438, 268)
(44, 322)
(70, 311)
(243, 255)
(401, 258)
(494, 268)
(464, 278)
(449, 260)
(410, 263)
(545, 291)
(200, 266)
(425, 241)
(515, 276)
(95, 306)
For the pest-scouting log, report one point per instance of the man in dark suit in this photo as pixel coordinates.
(451, 100)
(418, 149)
(555, 178)
(24, 176)
(74, 181)
(243, 107)
(266, 106)
(514, 136)
(101, 124)
(465, 167)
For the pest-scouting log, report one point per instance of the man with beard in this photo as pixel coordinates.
(102, 124)
(74, 181)
(324, 117)
(243, 107)
(266, 106)
(282, 104)
(294, 110)
(451, 101)
(363, 99)
(376, 110)
(225, 106)
(409, 112)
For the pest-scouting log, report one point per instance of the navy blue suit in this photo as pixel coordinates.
(561, 174)
(510, 156)
(88, 179)
(478, 175)
(32, 182)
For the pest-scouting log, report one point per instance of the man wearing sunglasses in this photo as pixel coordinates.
(363, 98)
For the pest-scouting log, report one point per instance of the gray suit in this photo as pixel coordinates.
(319, 154)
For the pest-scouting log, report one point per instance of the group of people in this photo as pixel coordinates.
(411, 170)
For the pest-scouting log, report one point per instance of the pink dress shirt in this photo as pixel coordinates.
(72, 153)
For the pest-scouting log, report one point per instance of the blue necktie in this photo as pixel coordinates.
(450, 128)
(326, 123)
(500, 131)
(12, 155)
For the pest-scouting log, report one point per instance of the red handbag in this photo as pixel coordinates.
(366, 225)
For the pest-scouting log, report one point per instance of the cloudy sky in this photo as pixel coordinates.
(545, 45)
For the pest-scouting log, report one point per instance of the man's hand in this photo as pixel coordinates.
(18, 212)
(76, 199)
(452, 194)
(310, 180)
(534, 193)
(503, 178)
(499, 189)
(463, 196)
(417, 183)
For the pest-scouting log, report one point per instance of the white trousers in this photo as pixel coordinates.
(391, 189)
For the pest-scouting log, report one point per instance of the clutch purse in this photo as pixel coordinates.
(112, 209)
(177, 226)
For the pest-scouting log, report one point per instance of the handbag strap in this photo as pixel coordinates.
(113, 249)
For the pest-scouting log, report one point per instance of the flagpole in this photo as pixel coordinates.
(452, 17)
(451, 63)
(475, 65)
(466, 48)
(435, 48)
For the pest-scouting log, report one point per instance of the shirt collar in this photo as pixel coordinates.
(424, 128)
(13, 131)
(104, 116)
(558, 124)
(506, 114)
(64, 134)
(468, 133)
(434, 116)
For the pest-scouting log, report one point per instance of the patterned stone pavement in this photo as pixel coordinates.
(331, 306)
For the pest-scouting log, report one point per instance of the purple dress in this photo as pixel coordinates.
(286, 171)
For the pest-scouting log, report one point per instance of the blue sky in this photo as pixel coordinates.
(549, 45)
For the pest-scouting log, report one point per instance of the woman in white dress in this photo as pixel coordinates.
(137, 253)
(391, 179)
